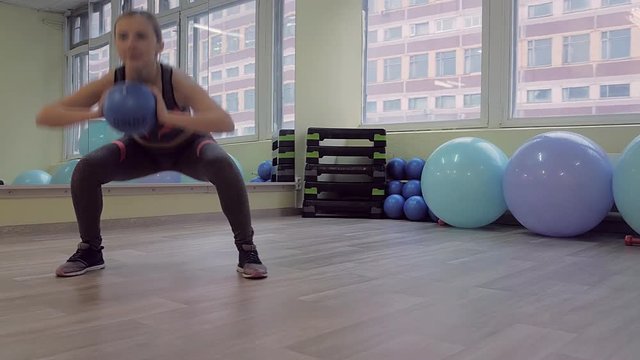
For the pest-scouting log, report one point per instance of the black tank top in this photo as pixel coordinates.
(160, 134)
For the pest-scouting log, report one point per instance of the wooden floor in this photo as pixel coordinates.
(338, 289)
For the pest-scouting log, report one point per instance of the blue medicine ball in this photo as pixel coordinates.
(264, 169)
(396, 168)
(414, 167)
(130, 107)
(394, 187)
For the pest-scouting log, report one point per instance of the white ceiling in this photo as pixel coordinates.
(58, 6)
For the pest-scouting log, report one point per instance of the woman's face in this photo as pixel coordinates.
(136, 42)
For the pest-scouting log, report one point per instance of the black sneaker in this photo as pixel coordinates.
(86, 258)
(249, 264)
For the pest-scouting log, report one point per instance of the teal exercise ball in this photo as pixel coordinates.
(32, 177)
(462, 182)
(626, 184)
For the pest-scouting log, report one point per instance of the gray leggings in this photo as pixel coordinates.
(198, 157)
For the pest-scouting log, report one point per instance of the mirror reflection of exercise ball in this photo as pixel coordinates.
(63, 172)
(95, 135)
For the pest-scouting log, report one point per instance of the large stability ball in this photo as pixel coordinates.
(559, 184)
(130, 107)
(626, 184)
(32, 177)
(462, 182)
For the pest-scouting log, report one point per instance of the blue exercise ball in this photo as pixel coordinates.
(394, 187)
(462, 182)
(130, 107)
(396, 168)
(412, 188)
(626, 183)
(62, 174)
(96, 134)
(559, 184)
(394, 206)
(32, 177)
(414, 167)
(264, 169)
(257, 179)
(415, 208)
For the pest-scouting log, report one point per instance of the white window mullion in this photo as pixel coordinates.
(497, 60)
(265, 44)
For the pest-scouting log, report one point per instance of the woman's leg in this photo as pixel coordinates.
(121, 160)
(205, 160)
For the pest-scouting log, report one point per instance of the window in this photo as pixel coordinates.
(289, 60)
(614, 91)
(394, 33)
(471, 100)
(100, 20)
(615, 2)
(576, 5)
(392, 69)
(289, 28)
(597, 51)
(372, 71)
(250, 37)
(204, 81)
(288, 93)
(616, 44)
(98, 62)
(391, 105)
(170, 37)
(139, 4)
(233, 72)
(473, 21)
(438, 57)
(371, 106)
(392, 4)
(575, 93)
(223, 36)
(372, 36)
(166, 5)
(575, 49)
(539, 96)
(216, 45)
(249, 99)
(418, 103)
(472, 60)
(233, 41)
(420, 29)
(418, 66)
(79, 26)
(445, 102)
(446, 63)
(540, 10)
(250, 69)
(539, 52)
(231, 102)
(445, 24)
